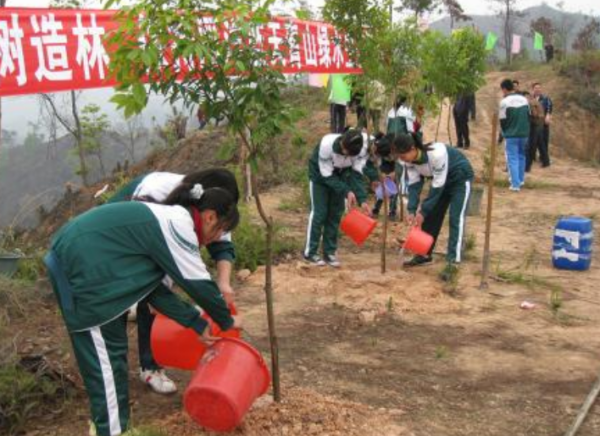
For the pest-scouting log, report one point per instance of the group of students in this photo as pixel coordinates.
(113, 256)
(341, 172)
(525, 120)
(149, 235)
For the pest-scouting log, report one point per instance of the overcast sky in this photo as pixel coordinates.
(475, 7)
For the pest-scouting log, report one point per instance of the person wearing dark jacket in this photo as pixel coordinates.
(335, 172)
(461, 110)
(546, 103)
(451, 175)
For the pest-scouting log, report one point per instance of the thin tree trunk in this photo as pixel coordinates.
(488, 218)
(437, 130)
(268, 276)
(448, 121)
(79, 139)
(269, 291)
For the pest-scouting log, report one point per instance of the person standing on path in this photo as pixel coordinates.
(461, 110)
(335, 172)
(452, 176)
(514, 124)
(339, 97)
(546, 103)
(536, 132)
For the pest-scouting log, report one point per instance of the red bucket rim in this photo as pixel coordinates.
(257, 354)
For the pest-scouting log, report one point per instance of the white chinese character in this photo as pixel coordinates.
(53, 63)
(309, 43)
(294, 47)
(206, 25)
(11, 49)
(324, 47)
(338, 50)
(90, 50)
(275, 41)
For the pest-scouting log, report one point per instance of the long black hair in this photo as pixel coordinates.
(209, 190)
(405, 142)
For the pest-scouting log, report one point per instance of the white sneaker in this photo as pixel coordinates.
(332, 261)
(514, 189)
(158, 381)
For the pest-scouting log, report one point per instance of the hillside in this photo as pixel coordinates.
(492, 23)
(368, 354)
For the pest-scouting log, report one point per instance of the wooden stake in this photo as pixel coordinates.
(587, 405)
(485, 271)
(385, 225)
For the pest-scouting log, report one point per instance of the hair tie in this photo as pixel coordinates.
(197, 191)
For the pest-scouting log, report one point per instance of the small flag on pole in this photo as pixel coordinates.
(516, 44)
(538, 42)
(490, 41)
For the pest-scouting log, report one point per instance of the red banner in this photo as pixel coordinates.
(50, 50)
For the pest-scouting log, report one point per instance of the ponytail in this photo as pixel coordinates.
(218, 199)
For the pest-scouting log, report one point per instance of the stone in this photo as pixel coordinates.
(243, 275)
(367, 316)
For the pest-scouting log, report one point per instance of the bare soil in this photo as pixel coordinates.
(398, 354)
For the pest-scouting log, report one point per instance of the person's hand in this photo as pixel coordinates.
(374, 185)
(419, 218)
(366, 209)
(548, 119)
(207, 338)
(228, 293)
(351, 200)
(410, 219)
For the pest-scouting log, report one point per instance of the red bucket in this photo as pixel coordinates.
(357, 226)
(175, 346)
(230, 376)
(418, 241)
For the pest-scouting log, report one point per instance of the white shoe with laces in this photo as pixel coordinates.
(158, 381)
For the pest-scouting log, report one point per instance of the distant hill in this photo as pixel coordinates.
(487, 23)
(34, 176)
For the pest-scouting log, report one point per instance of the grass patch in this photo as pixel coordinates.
(250, 248)
(441, 352)
(17, 297)
(24, 396)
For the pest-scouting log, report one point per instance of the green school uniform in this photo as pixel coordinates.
(332, 176)
(104, 261)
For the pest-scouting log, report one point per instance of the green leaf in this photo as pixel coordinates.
(139, 94)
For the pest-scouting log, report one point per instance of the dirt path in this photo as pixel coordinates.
(472, 365)
(435, 365)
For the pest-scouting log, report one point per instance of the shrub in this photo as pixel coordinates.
(249, 241)
(24, 396)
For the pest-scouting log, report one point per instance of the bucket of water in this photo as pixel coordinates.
(391, 189)
(418, 241)
(357, 226)
(175, 346)
(229, 377)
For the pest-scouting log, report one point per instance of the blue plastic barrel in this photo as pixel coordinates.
(573, 241)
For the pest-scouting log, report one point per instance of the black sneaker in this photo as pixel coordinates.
(314, 260)
(419, 260)
(332, 261)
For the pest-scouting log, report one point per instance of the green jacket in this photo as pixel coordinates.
(445, 165)
(328, 166)
(156, 187)
(117, 254)
(514, 116)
